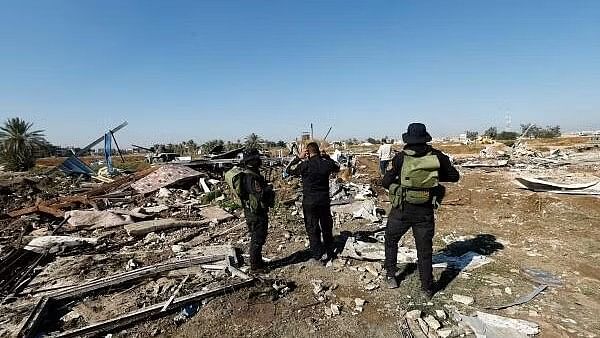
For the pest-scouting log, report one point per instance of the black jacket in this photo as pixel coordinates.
(315, 174)
(447, 173)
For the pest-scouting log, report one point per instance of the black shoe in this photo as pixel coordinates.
(392, 283)
(259, 270)
(314, 262)
(259, 267)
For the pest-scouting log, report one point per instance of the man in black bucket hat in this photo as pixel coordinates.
(413, 184)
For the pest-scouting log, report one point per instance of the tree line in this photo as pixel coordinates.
(528, 130)
(21, 145)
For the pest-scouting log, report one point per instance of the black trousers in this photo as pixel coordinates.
(258, 224)
(318, 222)
(423, 226)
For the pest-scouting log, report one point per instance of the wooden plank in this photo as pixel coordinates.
(24, 211)
(128, 276)
(146, 227)
(150, 311)
(31, 325)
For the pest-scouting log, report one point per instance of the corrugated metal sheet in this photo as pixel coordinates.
(73, 165)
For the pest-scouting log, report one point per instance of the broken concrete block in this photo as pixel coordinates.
(371, 287)
(362, 250)
(155, 209)
(441, 314)
(163, 193)
(463, 299)
(71, 318)
(335, 309)
(444, 333)
(177, 248)
(53, 244)
(163, 177)
(131, 264)
(359, 304)
(317, 286)
(96, 218)
(413, 314)
(372, 270)
(432, 322)
(151, 238)
(423, 326)
(485, 324)
(216, 214)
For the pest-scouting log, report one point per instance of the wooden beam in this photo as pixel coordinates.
(29, 328)
(128, 276)
(150, 311)
(31, 325)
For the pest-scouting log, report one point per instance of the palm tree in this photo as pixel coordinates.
(192, 147)
(18, 144)
(253, 141)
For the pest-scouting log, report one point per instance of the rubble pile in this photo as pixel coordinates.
(161, 224)
(96, 256)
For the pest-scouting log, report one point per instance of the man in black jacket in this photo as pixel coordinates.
(315, 171)
(419, 217)
(257, 197)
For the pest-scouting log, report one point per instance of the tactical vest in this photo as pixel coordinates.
(233, 178)
(418, 177)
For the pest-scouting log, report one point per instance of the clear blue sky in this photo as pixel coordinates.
(223, 69)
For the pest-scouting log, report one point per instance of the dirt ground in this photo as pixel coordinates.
(516, 228)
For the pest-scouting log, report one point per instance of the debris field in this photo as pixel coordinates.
(161, 251)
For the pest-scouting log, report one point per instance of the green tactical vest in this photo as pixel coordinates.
(233, 178)
(418, 176)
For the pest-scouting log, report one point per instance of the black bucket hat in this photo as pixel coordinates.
(250, 155)
(416, 134)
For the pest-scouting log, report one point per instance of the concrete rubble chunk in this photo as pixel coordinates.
(362, 250)
(177, 248)
(432, 322)
(152, 238)
(317, 286)
(359, 304)
(371, 286)
(54, 244)
(71, 317)
(163, 193)
(413, 314)
(372, 270)
(96, 218)
(163, 177)
(423, 326)
(155, 209)
(489, 325)
(441, 314)
(335, 309)
(367, 211)
(462, 299)
(216, 214)
(444, 333)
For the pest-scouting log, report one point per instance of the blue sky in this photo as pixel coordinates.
(223, 69)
